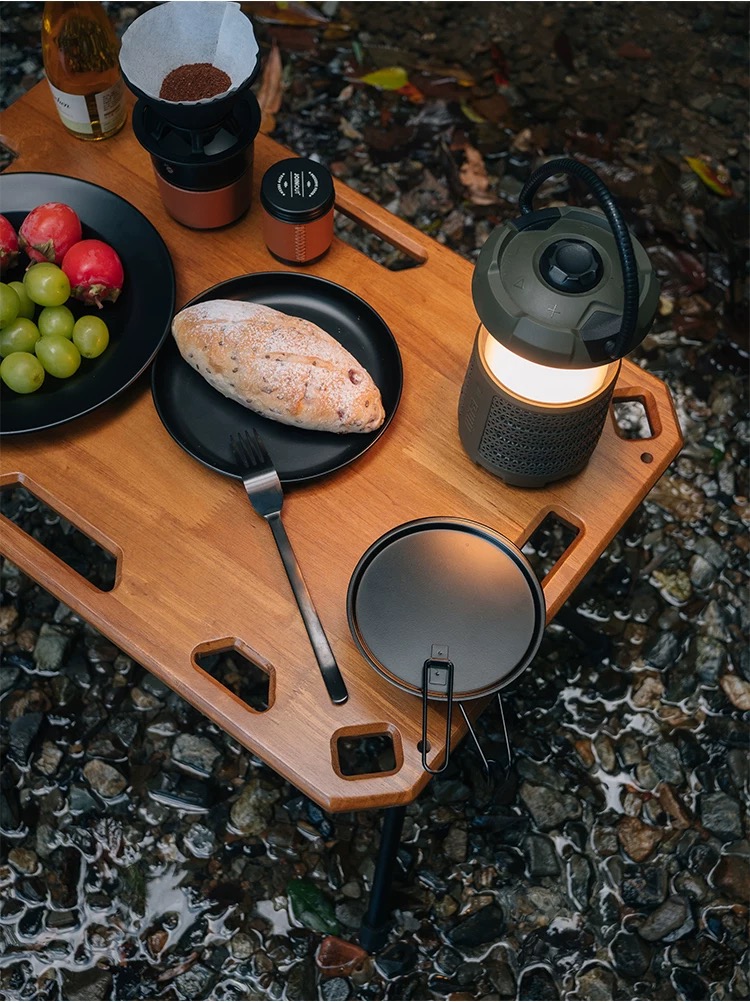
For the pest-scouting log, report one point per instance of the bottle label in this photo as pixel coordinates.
(78, 113)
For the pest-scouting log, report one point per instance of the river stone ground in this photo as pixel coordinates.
(147, 855)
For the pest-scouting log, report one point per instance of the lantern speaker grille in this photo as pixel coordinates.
(540, 444)
(527, 444)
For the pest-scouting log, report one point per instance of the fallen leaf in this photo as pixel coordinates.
(708, 176)
(629, 50)
(270, 91)
(285, 13)
(414, 94)
(389, 78)
(501, 73)
(347, 129)
(471, 114)
(474, 177)
(493, 108)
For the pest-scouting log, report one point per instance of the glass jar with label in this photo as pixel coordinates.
(80, 51)
(298, 198)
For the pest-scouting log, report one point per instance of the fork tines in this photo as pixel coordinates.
(249, 449)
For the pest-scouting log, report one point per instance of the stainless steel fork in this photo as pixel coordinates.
(266, 496)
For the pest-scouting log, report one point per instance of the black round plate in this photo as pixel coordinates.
(201, 420)
(138, 322)
(452, 584)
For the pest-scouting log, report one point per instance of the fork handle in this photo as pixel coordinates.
(334, 683)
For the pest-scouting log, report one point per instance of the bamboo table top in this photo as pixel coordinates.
(197, 570)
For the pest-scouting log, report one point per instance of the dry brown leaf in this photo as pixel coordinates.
(285, 13)
(270, 92)
(474, 178)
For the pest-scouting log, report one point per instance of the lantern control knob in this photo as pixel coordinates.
(571, 266)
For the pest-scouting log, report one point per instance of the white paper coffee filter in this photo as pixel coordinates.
(176, 33)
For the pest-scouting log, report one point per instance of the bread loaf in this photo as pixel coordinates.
(282, 367)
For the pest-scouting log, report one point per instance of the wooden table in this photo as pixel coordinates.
(197, 571)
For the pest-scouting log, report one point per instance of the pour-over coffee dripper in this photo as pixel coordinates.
(201, 151)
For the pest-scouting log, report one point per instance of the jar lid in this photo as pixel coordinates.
(297, 190)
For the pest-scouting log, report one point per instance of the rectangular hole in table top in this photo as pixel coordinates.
(63, 539)
(243, 677)
(548, 543)
(631, 418)
(377, 248)
(365, 754)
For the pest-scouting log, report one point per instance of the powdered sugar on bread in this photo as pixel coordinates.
(283, 367)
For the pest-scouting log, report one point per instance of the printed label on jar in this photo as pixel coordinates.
(78, 112)
(297, 184)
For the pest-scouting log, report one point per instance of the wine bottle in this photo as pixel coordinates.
(80, 51)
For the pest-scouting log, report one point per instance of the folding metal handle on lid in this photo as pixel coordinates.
(437, 673)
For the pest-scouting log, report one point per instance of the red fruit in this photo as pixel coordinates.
(49, 231)
(8, 245)
(94, 271)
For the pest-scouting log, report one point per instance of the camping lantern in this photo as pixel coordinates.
(562, 294)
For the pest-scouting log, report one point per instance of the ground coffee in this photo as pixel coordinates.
(194, 82)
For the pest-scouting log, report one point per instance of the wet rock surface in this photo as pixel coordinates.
(146, 855)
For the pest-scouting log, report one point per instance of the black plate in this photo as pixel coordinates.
(451, 584)
(201, 420)
(138, 322)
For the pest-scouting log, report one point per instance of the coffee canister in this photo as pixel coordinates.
(297, 197)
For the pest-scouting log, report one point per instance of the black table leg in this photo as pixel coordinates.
(376, 924)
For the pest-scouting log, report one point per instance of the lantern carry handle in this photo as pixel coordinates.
(617, 346)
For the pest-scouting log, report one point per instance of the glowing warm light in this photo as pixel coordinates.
(542, 384)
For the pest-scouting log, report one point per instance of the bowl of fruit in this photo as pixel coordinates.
(86, 298)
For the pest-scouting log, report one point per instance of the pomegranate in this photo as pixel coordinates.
(8, 245)
(94, 271)
(49, 231)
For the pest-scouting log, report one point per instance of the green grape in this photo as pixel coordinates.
(59, 356)
(27, 307)
(21, 335)
(90, 336)
(10, 304)
(46, 284)
(22, 372)
(56, 320)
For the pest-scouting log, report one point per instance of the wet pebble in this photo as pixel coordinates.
(595, 982)
(104, 779)
(721, 815)
(637, 839)
(737, 691)
(340, 957)
(732, 876)
(483, 926)
(548, 807)
(669, 921)
(252, 810)
(396, 959)
(21, 734)
(537, 983)
(541, 856)
(50, 648)
(195, 754)
(631, 954)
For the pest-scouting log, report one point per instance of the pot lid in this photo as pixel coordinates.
(448, 589)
